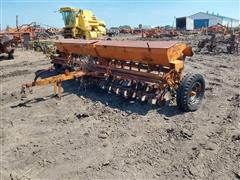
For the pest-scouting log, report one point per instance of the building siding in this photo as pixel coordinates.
(189, 24)
(201, 23)
(230, 23)
(212, 20)
(201, 15)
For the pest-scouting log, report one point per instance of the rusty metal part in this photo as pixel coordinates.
(165, 53)
(158, 32)
(5, 45)
(55, 80)
(218, 28)
(32, 30)
(219, 43)
(126, 31)
(145, 70)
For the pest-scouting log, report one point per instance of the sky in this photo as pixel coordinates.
(113, 12)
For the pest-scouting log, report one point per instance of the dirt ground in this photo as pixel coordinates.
(90, 134)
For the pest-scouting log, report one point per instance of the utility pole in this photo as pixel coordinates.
(174, 23)
(17, 21)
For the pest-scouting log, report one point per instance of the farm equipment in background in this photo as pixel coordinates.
(218, 28)
(113, 31)
(126, 30)
(45, 46)
(137, 31)
(52, 32)
(29, 32)
(158, 32)
(81, 24)
(219, 43)
(151, 33)
(26, 29)
(144, 70)
(5, 45)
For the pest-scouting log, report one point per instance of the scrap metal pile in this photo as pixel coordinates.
(218, 28)
(218, 43)
(29, 32)
(5, 45)
(45, 46)
(158, 32)
(143, 70)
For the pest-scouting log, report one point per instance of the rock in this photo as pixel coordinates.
(14, 94)
(208, 88)
(13, 177)
(196, 170)
(105, 144)
(134, 134)
(192, 170)
(70, 141)
(106, 163)
(209, 146)
(103, 135)
(83, 98)
(86, 134)
(170, 130)
(236, 137)
(81, 115)
(229, 116)
(166, 118)
(44, 162)
(172, 140)
(134, 116)
(186, 133)
(23, 96)
(35, 152)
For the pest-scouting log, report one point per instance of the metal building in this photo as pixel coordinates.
(201, 20)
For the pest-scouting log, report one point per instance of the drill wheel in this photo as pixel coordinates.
(190, 92)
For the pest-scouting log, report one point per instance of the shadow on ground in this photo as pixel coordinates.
(4, 58)
(112, 100)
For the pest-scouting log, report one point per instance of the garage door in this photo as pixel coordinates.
(200, 23)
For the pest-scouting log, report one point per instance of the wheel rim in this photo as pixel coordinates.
(196, 93)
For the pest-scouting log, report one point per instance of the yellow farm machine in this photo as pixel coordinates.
(144, 70)
(81, 24)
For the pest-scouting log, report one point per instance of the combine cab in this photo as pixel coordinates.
(81, 24)
(144, 70)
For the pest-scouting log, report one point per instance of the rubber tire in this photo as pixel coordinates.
(38, 48)
(184, 89)
(59, 68)
(10, 55)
